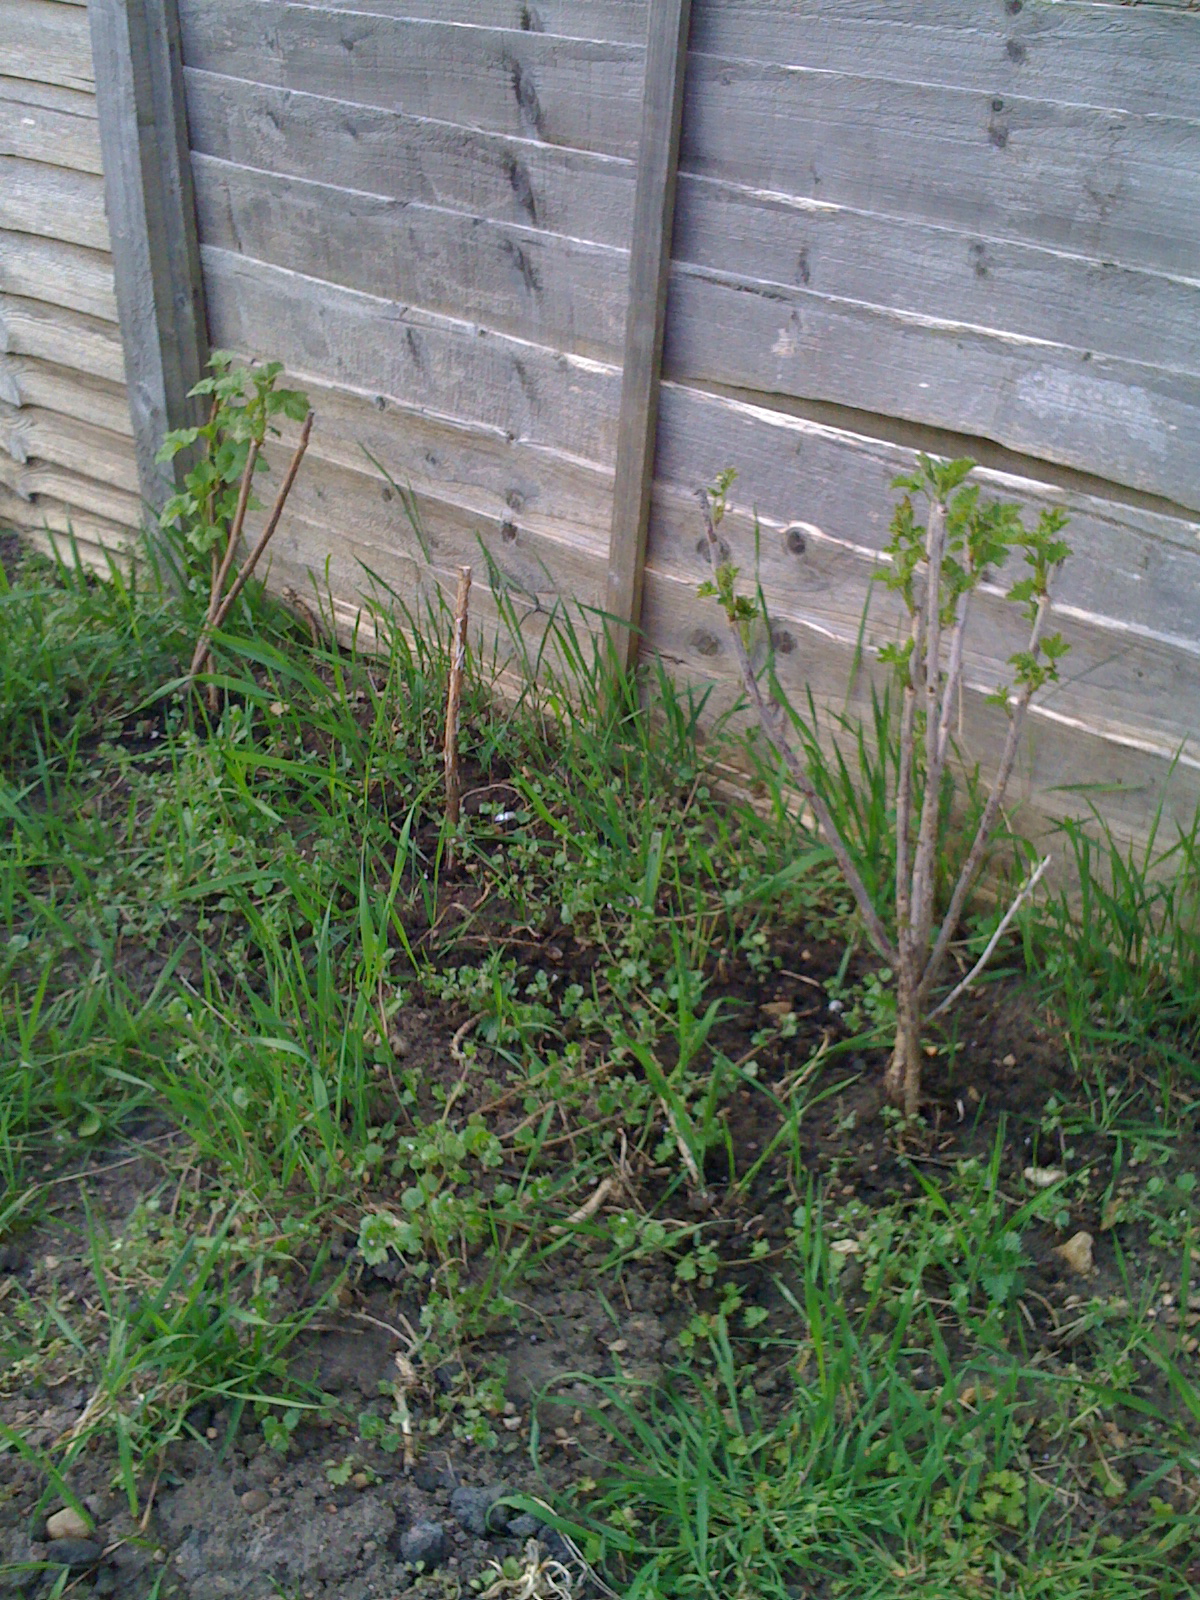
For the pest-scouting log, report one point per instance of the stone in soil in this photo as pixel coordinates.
(424, 1541)
(477, 1511)
(524, 1527)
(255, 1500)
(68, 1524)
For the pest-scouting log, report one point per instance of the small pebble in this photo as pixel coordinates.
(255, 1500)
(68, 1524)
(361, 1480)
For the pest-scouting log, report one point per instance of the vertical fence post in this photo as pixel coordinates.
(152, 220)
(649, 269)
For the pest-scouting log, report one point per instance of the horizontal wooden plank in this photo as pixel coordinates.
(46, 42)
(554, 290)
(1111, 185)
(1118, 685)
(560, 91)
(58, 274)
(509, 636)
(79, 491)
(1133, 570)
(508, 481)
(48, 525)
(27, 381)
(70, 339)
(53, 202)
(623, 21)
(544, 398)
(48, 133)
(941, 273)
(32, 435)
(1127, 781)
(538, 557)
(48, 96)
(1145, 59)
(1136, 425)
(500, 176)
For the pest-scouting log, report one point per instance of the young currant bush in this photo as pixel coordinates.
(934, 566)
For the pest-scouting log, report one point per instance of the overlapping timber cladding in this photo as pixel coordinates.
(67, 457)
(555, 292)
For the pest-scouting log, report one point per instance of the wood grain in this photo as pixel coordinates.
(52, 201)
(555, 291)
(1133, 570)
(622, 21)
(149, 200)
(26, 381)
(649, 273)
(1111, 185)
(42, 123)
(503, 177)
(1131, 777)
(559, 91)
(66, 275)
(544, 398)
(943, 273)
(1134, 424)
(46, 43)
(1144, 60)
(67, 338)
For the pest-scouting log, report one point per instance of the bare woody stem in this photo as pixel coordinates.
(904, 796)
(458, 657)
(1027, 889)
(991, 811)
(247, 570)
(772, 722)
(923, 861)
(235, 531)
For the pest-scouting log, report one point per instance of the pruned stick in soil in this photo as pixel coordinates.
(458, 656)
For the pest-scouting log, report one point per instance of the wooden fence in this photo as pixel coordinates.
(866, 227)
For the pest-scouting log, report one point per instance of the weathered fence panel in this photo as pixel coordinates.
(66, 442)
(961, 226)
(968, 228)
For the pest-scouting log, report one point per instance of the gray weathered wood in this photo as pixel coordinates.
(72, 488)
(40, 519)
(47, 133)
(1143, 60)
(621, 21)
(67, 339)
(939, 272)
(156, 260)
(59, 274)
(53, 201)
(539, 565)
(1118, 683)
(1134, 569)
(27, 381)
(32, 434)
(45, 43)
(1132, 775)
(1137, 425)
(468, 463)
(554, 290)
(649, 271)
(1110, 185)
(506, 178)
(382, 347)
(558, 91)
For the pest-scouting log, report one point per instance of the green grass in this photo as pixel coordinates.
(211, 925)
